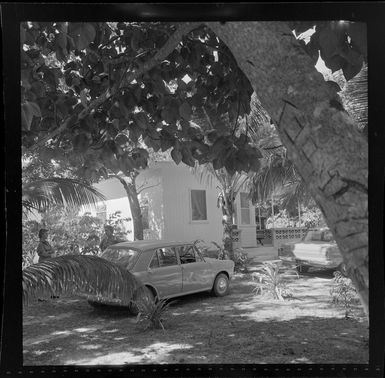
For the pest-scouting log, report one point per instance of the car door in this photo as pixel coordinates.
(165, 273)
(197, 273)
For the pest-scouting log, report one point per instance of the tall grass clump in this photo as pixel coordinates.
(272, 280)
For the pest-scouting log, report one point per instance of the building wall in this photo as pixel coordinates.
(178, 181)
(166, 186)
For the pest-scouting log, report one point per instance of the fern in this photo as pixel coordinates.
(72, 274)
(151, 313)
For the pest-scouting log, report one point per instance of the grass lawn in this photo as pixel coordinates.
(239, 328)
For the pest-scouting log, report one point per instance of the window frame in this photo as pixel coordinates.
(191, 207)
(176, 254)
(244, 208)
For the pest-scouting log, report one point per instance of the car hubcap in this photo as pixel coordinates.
(222, 284)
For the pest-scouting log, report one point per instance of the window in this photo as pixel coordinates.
(245, 208)
(198, 205)
(166, 257)
(155, 261)
(188, 254)
(121, 256)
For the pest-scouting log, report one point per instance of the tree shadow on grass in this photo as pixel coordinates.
(239, 328)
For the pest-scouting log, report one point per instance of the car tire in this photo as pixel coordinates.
(221, 285)
(149, 295)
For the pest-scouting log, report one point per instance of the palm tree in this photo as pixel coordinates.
(74, 274)
(228, 185)
(57, 191)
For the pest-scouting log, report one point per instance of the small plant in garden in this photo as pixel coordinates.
(152, 313)
(272, 280)
(343, 293)
(241, 260)
(221, 251)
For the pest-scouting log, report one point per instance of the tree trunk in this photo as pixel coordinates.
(321, 140)
(136, 213)
(227, 222)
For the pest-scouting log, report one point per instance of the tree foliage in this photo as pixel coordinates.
(79, 274)
(90, 90)
(342, 45)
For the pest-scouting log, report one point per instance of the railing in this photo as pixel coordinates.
(280, 235)
(283, 235)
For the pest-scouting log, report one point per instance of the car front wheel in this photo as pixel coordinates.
(221, 285)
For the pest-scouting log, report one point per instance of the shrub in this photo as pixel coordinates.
(343, 293)
(152, 313)
(272, 280)
(69, 233)
(241, 260)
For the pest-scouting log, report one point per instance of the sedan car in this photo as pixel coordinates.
(168, 269)
(316, 249)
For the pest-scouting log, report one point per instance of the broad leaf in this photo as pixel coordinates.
(176, 155)
(185, 111)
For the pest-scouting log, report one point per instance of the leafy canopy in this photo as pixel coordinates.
(106, 92)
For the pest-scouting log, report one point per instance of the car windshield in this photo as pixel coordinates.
(122, 256)
(319, 235)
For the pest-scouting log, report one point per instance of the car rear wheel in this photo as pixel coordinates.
(221, 285)
(145, 295)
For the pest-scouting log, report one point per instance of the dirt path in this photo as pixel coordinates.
(239, 328)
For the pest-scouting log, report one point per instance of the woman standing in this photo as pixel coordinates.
(44, 249)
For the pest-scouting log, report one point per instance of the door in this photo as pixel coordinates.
(197, 274)
(165, 272)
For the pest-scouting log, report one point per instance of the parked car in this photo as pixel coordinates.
(316, 249)
(168, 269)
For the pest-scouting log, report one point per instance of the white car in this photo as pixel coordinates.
(317, 249)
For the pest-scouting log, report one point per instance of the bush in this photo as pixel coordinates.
(152, 313)
(241, 260)
(69, 233)
(272, 281)
(343, 293)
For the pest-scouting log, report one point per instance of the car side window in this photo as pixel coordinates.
(155, 261)
(167, 257)
(187, 254)
(198, 257)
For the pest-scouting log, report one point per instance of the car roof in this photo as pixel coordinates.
(151, 244)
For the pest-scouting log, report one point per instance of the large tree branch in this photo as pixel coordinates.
(182, 30)
(321, 140)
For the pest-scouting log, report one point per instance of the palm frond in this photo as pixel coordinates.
(71, 274)
(42, 194)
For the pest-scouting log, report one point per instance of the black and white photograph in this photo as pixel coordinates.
(194, 191)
